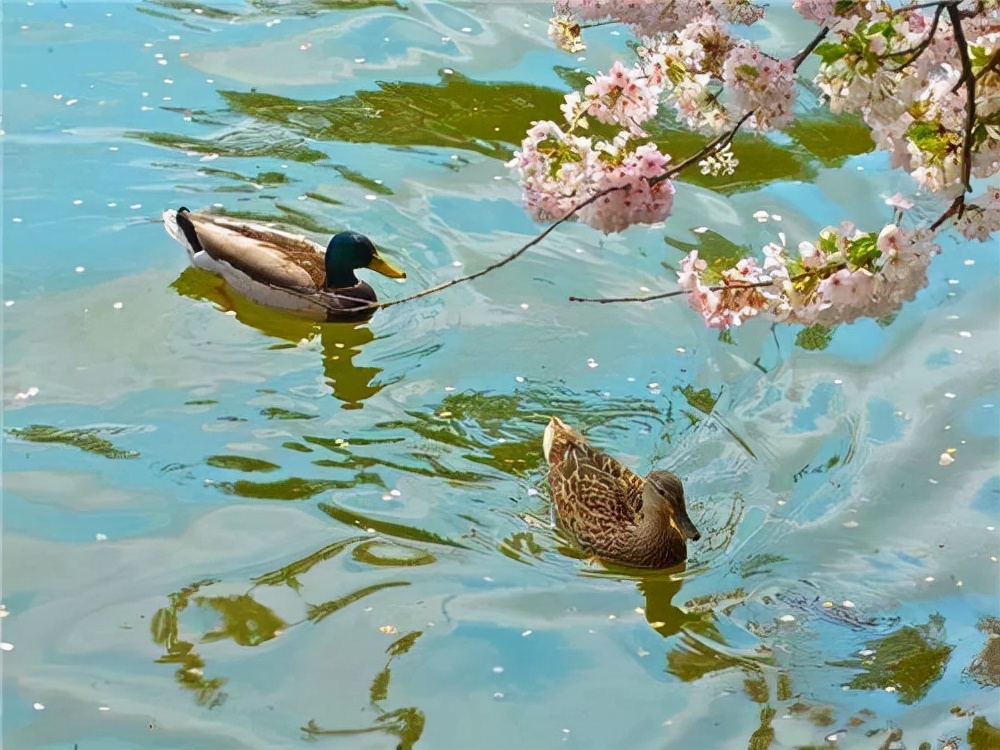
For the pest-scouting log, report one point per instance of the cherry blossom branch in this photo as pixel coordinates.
(674, 293)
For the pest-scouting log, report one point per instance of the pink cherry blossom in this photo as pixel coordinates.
(760, 84)
(623, 97)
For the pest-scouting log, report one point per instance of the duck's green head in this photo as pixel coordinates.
(348, 251)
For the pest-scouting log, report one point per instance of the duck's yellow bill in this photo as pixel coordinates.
(378, 263)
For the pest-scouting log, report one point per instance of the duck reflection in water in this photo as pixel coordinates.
(340, 342)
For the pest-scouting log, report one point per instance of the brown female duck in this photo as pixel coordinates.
(609, 510)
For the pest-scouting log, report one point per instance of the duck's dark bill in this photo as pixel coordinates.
(385, 268)
(687, 528)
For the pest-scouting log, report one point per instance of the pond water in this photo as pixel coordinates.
(227, 528)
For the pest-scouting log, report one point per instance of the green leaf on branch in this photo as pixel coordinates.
(830, 52)
(933, 139)
(864, 251)
(814, 338)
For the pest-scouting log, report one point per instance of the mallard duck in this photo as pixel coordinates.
(282, 270)
(609, 510)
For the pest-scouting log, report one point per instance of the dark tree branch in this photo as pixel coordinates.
(918, 50)
(992, 64)
(969, 80)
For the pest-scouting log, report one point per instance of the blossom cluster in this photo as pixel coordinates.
(925, 78)
(844, 275)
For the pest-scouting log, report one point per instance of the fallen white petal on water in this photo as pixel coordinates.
(929, 579)
(519, 378)
(449, 388)
(101, 537)
(387, 497)
(71, 102)
(850, 524)
(890, 689)
(776, 217)
(4, 646)
(965, 334)
(653, 386)
(38, 706)
(787, 618)
(642, 652)
(305, 46)
(526, 633)
(533, 491)
(371, 197)
(135, 206)
(946, 458)
(524, 305)
(949, 394)
(760, 216)
(497, 670)
(639, 611)
(457, 263)
(117, 305)
(680, 350)
(77, 202)
(498, 695)
(847, 603)
(488, 579)
(388, 629)
(79, 269)
(104, 708)
(395, 493)
(591, 363)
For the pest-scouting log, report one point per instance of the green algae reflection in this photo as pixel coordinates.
(88, 440)
(909, 661)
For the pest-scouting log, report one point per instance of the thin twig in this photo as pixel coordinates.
(923, 6)
(808, 49)
(918, 49)
(956, 207)
(674, 293)
(990, 65)
(513, 256)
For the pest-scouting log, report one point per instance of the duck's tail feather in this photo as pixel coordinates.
(179, 226)
(557, 438)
